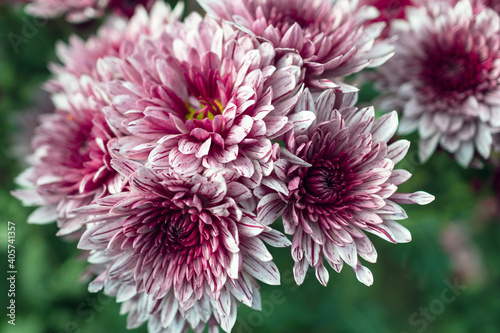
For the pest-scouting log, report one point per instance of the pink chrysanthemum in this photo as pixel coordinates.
(331, 37)
(445, 78)
(335, 181)
(78, 11)
(185, 242)
(71, 162)
(204, 96)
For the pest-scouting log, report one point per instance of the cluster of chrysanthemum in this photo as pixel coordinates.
(175, 146)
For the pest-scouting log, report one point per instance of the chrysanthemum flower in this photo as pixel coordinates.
(336, 181)
(184, 241)
(204, 96)
(331, 37)
(71, 162)
(445, 78)
(78, 11)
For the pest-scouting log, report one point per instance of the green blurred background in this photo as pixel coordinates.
(446, 280)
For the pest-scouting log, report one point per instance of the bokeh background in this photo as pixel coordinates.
(446, 280)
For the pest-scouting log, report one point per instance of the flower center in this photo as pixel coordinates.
(328, 181)
(180, 232)
(207, 91)
(209, 108)
(454, 73)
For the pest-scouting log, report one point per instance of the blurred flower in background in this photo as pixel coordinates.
(466, 260)
(78, 11)
(445, 77)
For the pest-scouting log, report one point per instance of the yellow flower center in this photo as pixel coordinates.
(209, 109)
